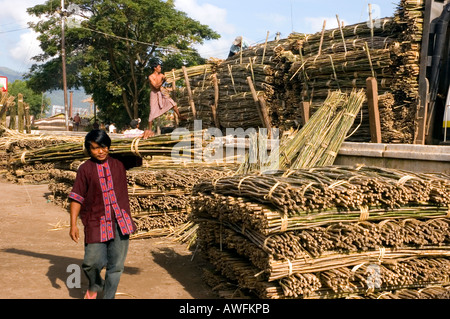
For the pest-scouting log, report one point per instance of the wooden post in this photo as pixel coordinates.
(305, 111)
(266, 117)
(12, 116)
(261, 107)
(265, 47)
(20, 111)
(255, 98)
(70, 104)
(321, 37)
(188, 87)
(174, 95)
(27, 118)
(215, 106)
(3, 109)
(342, 33)
(230, 71)
(374, 114)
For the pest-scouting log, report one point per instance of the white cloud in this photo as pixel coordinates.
(16, 11)
(208, 14)
(18, 45)
(216, 19)
(25, 48)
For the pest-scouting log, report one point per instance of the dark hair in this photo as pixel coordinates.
(98, 136)
(134, 124)
(154, 62)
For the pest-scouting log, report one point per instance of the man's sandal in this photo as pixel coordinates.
(89, 296)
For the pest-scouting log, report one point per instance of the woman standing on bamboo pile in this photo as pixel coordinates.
(159, 103)
(100, 197)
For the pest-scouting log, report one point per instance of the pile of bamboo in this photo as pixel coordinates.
(222, 96)
(13, 144)
(306, 68)
(326, 232)
(159, 190)
(309, 147)
(343, 58)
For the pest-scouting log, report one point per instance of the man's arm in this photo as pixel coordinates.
(75, 208)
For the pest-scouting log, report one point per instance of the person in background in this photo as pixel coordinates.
(100, 198)
(96, 126)
(77, 121)
(159, 103)
(112, 128)
(134, 130)
(238, 44)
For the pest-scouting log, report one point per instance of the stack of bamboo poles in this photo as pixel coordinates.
(196, 98)
(222, 96)
(343, 58)
(318, 142)
(19, 111)
(14, 143)
(327, 232)
(159, 190)
(307, 67)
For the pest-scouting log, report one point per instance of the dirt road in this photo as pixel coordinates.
(35, 254)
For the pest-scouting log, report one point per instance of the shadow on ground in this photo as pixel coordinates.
(59, 269)
(186, 270)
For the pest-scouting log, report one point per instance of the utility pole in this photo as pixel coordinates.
(63, 56)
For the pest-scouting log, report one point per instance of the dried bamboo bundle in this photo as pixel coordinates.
(175, 75)
(158, 145)
(273, 203)
(311, 146)
(334, 283)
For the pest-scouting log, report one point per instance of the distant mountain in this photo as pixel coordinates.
(10, 74)
(57, 97)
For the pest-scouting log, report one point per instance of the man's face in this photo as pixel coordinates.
(98, 152)
(158, 69)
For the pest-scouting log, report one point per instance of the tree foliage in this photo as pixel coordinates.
(39, 103)
(109, 53)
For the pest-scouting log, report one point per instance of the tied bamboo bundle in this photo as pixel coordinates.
(162, 145)
(319, 140)
(400, 218)
(308, 197)
(280, 255)
(175, 75)
(334, 283)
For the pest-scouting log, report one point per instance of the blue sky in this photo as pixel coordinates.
(252, 19)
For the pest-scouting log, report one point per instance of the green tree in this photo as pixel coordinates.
(109, 54)
(39, 103)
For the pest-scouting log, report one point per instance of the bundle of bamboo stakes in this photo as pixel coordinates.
(343, 58)
(13, 143)
(221, 96)
(307, 67)
(318, 142)
(327, 232)
(161, 145)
